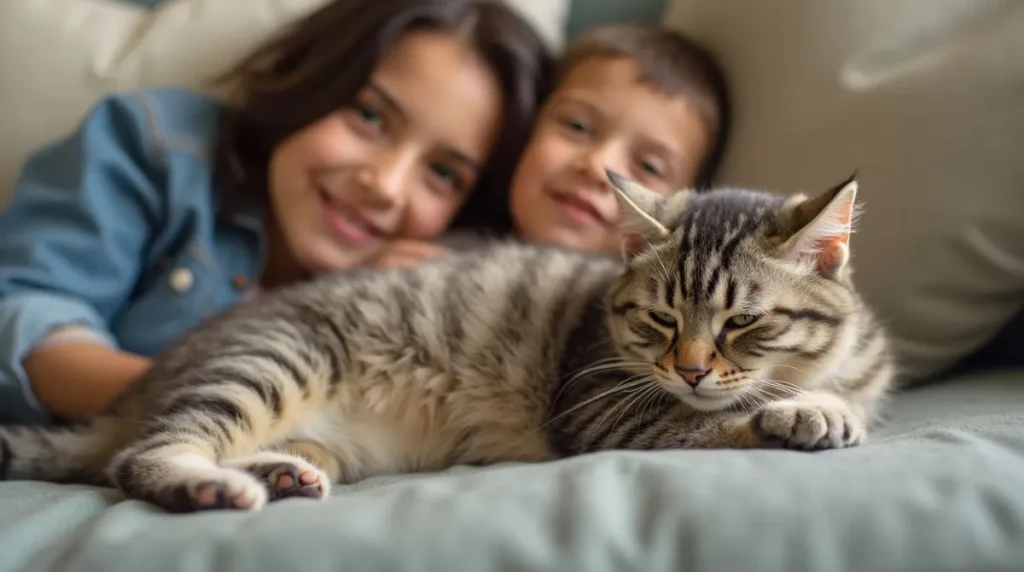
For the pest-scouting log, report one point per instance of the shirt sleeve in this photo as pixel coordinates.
(73, 239)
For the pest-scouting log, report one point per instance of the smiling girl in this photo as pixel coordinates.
(367, 124)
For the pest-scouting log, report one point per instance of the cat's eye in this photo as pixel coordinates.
(662, 318)
(740, 321)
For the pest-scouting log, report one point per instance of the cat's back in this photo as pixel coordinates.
(481, 298)
(495, 273)
(487, 299)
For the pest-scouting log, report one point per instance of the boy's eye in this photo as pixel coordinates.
(663, 318)
(650, 168)
(576, 125)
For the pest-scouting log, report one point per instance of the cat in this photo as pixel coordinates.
(729, 321)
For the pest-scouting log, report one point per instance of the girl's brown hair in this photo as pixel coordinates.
(320, 63)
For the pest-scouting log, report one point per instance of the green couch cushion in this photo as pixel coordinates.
(939, 488)
(589, 13)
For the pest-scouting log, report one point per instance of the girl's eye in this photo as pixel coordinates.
(663, 318)
(740, 321)
(447, 175)
(368, 114)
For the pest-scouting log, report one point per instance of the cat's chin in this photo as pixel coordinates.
(703, 402)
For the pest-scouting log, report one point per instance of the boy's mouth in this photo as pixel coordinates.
(579, 209)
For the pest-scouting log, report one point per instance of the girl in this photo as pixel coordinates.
(366, 124)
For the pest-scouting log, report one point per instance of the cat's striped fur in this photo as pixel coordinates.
(508, 353)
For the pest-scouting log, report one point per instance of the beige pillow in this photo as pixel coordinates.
(60, 56)
(925, 98)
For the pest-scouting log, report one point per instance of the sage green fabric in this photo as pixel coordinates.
(939, 489)
(589, 13)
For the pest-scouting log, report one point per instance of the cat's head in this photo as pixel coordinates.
(726, 289)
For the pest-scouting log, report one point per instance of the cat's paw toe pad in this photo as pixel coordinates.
(807, 426)
(233, 492)
(290, 480)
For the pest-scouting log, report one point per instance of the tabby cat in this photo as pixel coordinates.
(729, 322)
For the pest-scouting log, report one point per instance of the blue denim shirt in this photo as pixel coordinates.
(115, 228)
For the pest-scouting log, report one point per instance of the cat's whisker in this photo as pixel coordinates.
(792, 367)
(758, 398)
(622, 386)
(657, 395)
(604, 365)
(626, 401)
(755, 399)
(776, 382)
(622, 406)
(646, 397)
(779, 391)
(588, 371)
(744, 402)
(787, 389)
(646, 394)
(666, 274)
(649, 393)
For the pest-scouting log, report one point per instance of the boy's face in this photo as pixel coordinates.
(601, 116)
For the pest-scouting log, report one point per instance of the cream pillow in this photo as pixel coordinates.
(925, 98)
(60, 56)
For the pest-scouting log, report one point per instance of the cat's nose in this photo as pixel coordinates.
(692, 375)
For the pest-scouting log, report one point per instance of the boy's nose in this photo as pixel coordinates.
(599, 159)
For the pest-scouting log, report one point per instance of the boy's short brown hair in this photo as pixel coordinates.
(672, 63)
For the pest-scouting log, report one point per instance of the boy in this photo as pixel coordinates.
(639, 99)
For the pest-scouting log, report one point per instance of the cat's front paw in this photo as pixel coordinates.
(808, 425)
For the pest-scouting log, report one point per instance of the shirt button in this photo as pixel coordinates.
(240, 281)
(181, 279)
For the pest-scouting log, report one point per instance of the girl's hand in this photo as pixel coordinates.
(399, 253)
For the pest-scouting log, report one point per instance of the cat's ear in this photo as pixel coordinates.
(821, 228)
(638, 214)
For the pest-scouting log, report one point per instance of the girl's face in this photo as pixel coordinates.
(398, 163)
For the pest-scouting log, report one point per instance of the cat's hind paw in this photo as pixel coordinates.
(225, 489)
(808, 425)
(286, 475)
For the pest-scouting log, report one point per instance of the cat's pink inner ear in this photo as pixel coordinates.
(824, 241)
(832, 254)
(831, 237)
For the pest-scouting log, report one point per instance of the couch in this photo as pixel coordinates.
(923, 97)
